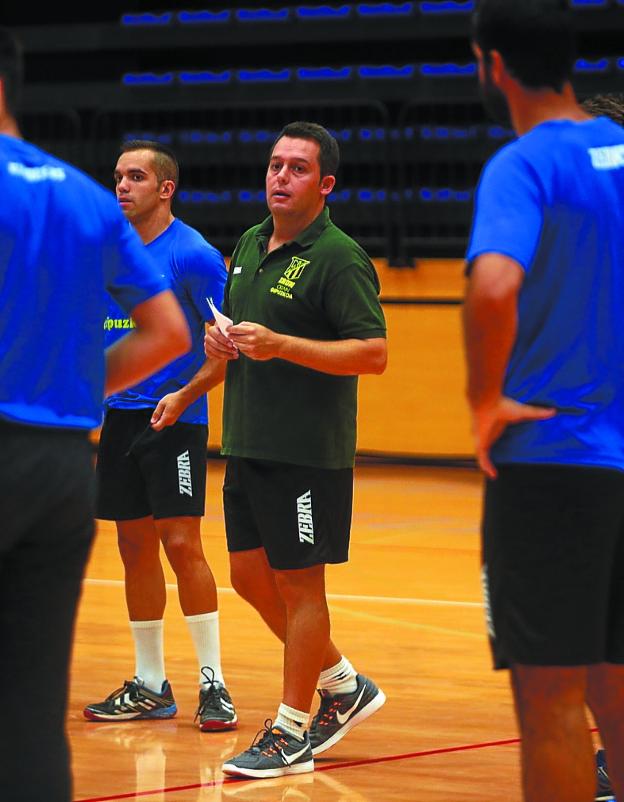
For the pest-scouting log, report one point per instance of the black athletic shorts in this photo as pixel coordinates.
(553, 565)
(141, 472)
(301, 516)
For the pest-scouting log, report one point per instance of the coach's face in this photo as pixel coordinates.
(294, 186)
(493, 99)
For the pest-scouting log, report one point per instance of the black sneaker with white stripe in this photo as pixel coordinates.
(216, 711)
(273, 753)
(341, 712)
(134, 701)
(603, 788)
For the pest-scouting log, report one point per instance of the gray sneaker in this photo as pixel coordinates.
(273, 753)
(215, 711)
(341, 712)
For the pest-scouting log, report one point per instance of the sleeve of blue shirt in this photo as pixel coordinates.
(205, 275)
(132, 276)
(508, 216)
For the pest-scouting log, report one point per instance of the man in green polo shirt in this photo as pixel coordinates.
(307, 321)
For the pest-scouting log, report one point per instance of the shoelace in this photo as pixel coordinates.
(210, 696)
(264, 740)
(327, 710)
(130, 685)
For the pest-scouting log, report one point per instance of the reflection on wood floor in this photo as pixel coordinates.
(406, 610)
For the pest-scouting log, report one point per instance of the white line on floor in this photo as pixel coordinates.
(334, 596)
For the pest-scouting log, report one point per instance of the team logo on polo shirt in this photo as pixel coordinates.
(287, 281)
(295, 268)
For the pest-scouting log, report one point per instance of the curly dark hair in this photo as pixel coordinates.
(611, 105)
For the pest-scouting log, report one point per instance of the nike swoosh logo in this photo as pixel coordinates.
(288, 759)
(344, 717)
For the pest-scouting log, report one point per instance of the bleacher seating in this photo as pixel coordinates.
(217, 85)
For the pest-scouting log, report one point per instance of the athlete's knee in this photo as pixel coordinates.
(305, 586)
(242, 580)
(135, 552)
(183, 554)
(548, 692)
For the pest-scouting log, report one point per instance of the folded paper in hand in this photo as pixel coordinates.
(221, 320)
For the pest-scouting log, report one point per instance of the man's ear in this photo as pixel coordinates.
(328, 182)
(498, 70)
(167, 188)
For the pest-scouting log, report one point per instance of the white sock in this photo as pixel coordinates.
(149, 653)
(340, 678)
(205, 633)
(294, 722)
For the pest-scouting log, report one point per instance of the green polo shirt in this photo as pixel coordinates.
(321, 286)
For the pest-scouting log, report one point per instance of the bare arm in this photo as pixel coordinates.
(161, 335)
(350, 357)
(490, 327)
(172, 405)
(490, 324)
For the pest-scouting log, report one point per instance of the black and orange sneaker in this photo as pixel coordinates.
(215, 711)
(603, 789)
(133, 701)
(273, 753)
(341, 712)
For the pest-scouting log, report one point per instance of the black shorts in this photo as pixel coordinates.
(141, 472)
(553, 565)
(301, 516)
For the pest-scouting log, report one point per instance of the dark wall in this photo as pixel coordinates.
(395, 82)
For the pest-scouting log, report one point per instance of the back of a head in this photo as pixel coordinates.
(534, 37)
(611, 106)
(11, 71)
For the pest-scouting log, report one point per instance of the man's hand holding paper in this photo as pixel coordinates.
(217, 342)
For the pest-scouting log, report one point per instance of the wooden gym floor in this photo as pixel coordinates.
(406, 610)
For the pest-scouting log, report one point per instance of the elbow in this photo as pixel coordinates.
(379, 366)
(378, 358)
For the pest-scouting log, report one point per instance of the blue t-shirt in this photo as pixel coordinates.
(196, 271)
(63, 241)
(553, 200)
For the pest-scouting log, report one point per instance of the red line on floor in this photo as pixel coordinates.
(318, 767)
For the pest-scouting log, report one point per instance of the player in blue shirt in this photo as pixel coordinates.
(611, 106)
(63, 242)
(545, 350)
(151, 468)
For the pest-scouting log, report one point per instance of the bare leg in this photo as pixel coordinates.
(307, 632)
(605, 697)
(139, 546)
(181, 539)
(254, 580)
(557, 753)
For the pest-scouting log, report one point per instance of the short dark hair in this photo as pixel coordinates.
(611, 105)
(329, 155)
(535, 38)
(165, 163)
(11, 70)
